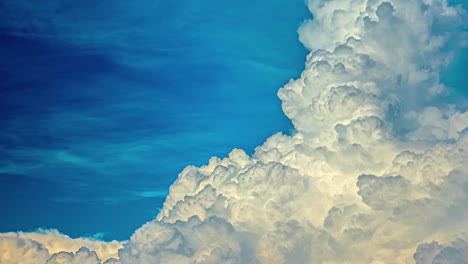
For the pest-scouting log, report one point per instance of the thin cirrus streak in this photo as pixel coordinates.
(375, 172)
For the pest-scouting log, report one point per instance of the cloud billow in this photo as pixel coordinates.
(375, 172)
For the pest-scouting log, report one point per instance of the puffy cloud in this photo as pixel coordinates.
(53, 247)
(435, 253)
(377, 165)
(14, 249)
(375, 171)
(213, 240)
(82, 256)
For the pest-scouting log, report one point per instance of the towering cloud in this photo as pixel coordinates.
(376, 171)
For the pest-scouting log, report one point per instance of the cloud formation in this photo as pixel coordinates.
(52, 247)
(375, 172)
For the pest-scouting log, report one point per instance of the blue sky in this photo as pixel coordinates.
(451, 77)
(102, 105)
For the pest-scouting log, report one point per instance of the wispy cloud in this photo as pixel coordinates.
(150, 194)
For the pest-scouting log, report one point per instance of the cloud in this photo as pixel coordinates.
(375, 171)
(150, 194)
(435, 253)
(82, 256)
(213, 240)
(15, 249)
(51, 247)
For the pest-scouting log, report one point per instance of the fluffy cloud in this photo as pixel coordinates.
(15, 249)
(435, 253)
(52, 247)
(375, 172)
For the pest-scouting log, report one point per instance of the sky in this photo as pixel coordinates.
(102, 105)
(359, 157)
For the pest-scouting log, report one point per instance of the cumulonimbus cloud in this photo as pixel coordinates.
(376, 171)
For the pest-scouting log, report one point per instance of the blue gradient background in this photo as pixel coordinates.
(103, 103)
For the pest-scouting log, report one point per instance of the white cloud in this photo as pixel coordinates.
(14, 250)
(82, 256)
(375, 172)
(53, 247)
(456, 252)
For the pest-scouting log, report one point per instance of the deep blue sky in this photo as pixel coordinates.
(103, 103)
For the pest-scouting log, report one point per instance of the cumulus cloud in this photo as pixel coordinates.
(376, 171)
(456, 252)
(52, 247)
